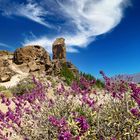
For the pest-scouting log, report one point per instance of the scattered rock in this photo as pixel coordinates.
(57, 66)
(5, 72)
(5, 78)
(4, 53)
(4, 62)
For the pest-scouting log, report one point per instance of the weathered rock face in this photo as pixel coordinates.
(57, 66)
(36, 57)
(59, 57)
(6, 54)
(5, 72)
(31, 53)
(59, 49)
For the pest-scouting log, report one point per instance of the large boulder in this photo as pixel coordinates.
(59, 49)
(33, 57)
(31, 53)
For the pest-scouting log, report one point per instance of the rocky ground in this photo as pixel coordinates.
(32, 60)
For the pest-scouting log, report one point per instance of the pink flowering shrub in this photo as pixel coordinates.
(78, 112)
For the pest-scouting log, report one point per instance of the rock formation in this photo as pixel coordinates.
(59, 57)
(34, 58)
(59, 49)
(72, 68)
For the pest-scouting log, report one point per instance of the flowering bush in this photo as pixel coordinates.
(79, 112)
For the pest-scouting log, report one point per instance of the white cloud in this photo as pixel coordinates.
(90, 18)
(42, 41)
(30, 10)
(86, 19)
(33, 12)
(93, 17)
(47, 43)
(71, 42)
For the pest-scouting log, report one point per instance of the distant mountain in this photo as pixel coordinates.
(136, 77)
(132, 77)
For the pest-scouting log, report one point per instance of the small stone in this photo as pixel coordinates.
(5, 78)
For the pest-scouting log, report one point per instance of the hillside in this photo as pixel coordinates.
(34, 60)
(48, 99)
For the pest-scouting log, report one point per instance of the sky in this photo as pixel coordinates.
(99, 34)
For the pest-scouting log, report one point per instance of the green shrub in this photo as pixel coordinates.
(23, 87)
(98, 83)
(7, 93)
(87, 76)
(2, 88)
(67, 74)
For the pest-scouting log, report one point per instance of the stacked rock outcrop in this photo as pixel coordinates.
(34, 58)
(59, 57)
(59, 49)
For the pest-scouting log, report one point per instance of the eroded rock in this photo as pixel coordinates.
(36, 57)
(59, 49)
(31, 53)
(33, 66)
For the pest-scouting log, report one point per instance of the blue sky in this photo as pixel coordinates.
(100, 34)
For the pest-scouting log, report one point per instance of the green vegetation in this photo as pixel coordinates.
(2, 88)
(69, 77)
(24, 86)
(67, 74)
(5, 91)
(87, 76)
(98, 84)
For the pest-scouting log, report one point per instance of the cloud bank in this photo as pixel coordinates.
(84, 19)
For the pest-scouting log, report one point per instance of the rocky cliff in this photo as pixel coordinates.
(34, 59)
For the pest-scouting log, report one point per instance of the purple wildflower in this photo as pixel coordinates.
(83, 124)
(135, 112)
(65, 135)
(113, 138)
